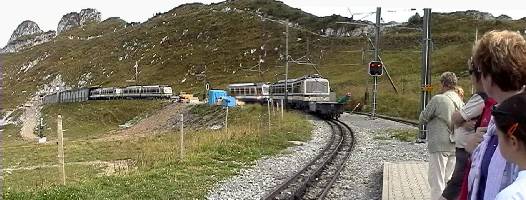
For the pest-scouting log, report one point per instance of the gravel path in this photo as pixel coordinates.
(362, 176)
(267, 173)
(30, 118)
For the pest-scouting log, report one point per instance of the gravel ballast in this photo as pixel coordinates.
(360, 179)
(362, 176)
(267, 173)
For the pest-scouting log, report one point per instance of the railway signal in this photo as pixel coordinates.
(376, 68)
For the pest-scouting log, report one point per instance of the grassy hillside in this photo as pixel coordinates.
(224, 43)
(148, 167)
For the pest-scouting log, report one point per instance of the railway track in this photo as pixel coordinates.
(315, 180)
(396, 119)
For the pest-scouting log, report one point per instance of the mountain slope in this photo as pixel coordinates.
(229, 42)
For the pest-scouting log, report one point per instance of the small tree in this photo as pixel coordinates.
(415, 20)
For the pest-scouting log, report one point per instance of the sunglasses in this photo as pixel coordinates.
(495, 111)
(472, 68)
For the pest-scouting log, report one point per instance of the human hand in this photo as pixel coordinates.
(469, 125)
(473, 140)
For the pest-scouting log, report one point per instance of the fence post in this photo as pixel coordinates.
(182, 137)
(226, 121)
(273, 109)
(60, 137)
(281, 109)
(277, 107)
(268, 107)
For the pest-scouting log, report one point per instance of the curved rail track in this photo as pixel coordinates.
(396, 119)
(315, 180)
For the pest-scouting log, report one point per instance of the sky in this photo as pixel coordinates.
(48, 13)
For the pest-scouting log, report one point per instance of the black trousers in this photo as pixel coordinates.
(452, 189)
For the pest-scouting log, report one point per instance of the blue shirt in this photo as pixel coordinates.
(492, 146)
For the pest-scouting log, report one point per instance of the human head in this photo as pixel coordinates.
(510, 119)
(475, 76)
(448, 80)
(500, 57)
(459, 91)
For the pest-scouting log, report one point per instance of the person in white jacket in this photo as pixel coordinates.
(510, 118)
(437, 117)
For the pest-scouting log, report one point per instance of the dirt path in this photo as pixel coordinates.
(161, 121)
(109, 167)
(30, 118)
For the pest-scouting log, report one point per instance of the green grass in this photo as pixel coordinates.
(158, 172)
(91, 119)
(202, 46)
(205, 46)
(404, 135)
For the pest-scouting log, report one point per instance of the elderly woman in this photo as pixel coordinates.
(437, 116)
(500, 56)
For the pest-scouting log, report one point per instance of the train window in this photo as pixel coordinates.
(317, 87)
(295, 88)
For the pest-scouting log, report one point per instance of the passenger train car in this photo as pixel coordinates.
(250, 92)
(311, 93)
(311, 88)
(97, 93)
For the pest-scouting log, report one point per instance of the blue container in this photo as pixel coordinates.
(229, 101)
(215, 95)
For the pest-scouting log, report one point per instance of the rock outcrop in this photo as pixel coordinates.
(484, 16)
(26, 35)
(89, 15)
(68, 21)
(25, 28)
(504, 18)
(29, 34)
(335, 32)
(74, 19)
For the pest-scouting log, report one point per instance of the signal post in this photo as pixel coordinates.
(376, 65)
(375, 70)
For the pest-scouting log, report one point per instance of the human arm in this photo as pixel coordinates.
(429, 112)
(473, 140)
(457, 119)
(471, 110)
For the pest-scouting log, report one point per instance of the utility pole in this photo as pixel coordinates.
(181, 145)
(476, 38)
(376, 57)
(136, 70)
(426, 68)
(60, 138)
(286, 62)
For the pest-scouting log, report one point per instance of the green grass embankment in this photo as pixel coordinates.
(149, 167)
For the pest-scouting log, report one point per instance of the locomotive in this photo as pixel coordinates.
(310, 93)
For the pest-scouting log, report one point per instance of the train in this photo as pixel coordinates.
(100, 93)
(311, 93)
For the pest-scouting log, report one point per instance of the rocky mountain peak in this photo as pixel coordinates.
(26, 35)
(68, 22)
(89, 15)
(25, 28)
(75, 19)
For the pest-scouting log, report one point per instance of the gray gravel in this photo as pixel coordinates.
(362, 176)
(360, 179)
(256, 181)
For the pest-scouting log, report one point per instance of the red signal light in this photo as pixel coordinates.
(375, 68)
